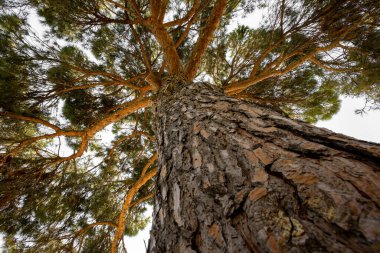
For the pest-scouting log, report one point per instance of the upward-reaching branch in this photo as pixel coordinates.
(166, 42)
(118, 115)
(204, 39)
(154, 8)
(271, 71)
(128, 201)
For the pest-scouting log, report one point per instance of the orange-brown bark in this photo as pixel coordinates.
(127, 203)
(166, 42)
(116, 116)
(204, 39)
(31, 119)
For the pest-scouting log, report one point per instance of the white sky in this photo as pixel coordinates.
(366, 127)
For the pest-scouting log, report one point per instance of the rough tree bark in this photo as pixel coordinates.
(238, 177)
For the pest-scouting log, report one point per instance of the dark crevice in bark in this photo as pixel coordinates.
(358, 153)
(237, 177)
(195, 240)
(301, 209)
(307, 153)
(313, 245)
(342, 235)
(239, 221)
(362, 193)
(351, 239)
(238, 208)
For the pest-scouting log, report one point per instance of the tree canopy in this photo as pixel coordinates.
(93, 74)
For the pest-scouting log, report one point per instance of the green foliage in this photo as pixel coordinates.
(367, 56)
(302, 95)
(13, 66)
(77, 74)
(82, 108)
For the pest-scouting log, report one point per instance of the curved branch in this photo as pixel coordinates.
(25, 143)
(31, 119)
(85, 134)
(126, 205)
(100, 223)
(149, 163)
(149, 196)
(78, 153)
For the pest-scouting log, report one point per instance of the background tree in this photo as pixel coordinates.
(116, 66)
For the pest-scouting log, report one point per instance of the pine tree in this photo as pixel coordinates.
(220, 115)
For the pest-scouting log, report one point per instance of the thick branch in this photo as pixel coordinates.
(166, 42)
(154, 8)
(163, 6)
(118, 115)
(149, 163)
(204, 39)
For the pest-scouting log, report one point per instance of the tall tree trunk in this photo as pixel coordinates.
(238, 177)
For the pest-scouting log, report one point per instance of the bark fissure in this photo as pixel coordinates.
(336, 143)
(239, 177)
(301, 210)
(194, 244)
(343, 237)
